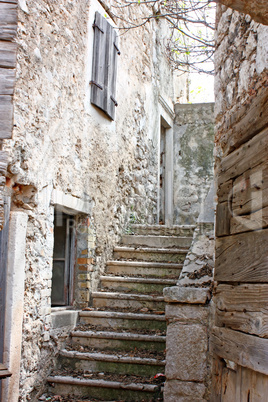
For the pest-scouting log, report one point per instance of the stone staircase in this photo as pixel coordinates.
(118, 347)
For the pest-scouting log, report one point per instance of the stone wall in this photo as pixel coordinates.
(189, 314)
(64, 145)
(193, 159)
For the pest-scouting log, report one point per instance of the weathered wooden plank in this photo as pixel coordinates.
(249, 297)
(7, 81)
(229, 385)
(8, 21)
(250, 192)
(257, 220)
(243, 349)
(243, 308)
(8, 54)
(225, 191)
(223, 216)
(216, 383)
(249, 155)
(242, 257)
(6, 116)
(254, 386)
(248, 120)
(249, 323)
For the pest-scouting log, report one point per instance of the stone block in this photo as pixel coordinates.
(189, 295)
(187, 313)
(64, 318)
(180, 391)
(186, 352)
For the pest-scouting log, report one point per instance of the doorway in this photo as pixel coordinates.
(165, 194)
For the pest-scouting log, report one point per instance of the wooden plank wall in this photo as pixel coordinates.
(239, 338)
(8, 48)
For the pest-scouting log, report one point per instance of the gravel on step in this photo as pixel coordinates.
(142, 353)
(144, 331)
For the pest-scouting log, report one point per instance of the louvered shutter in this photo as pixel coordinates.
(105, 51)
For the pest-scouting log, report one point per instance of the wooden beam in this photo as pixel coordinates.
(223, 216)
(250, 191)
(246, 350)
(7, 81)
(225, 191)
(8, 21)
(246, 121)
(246, 223)
(6, 116)
(8, 54)
(242, 257)
(243, 308)
(249, 155)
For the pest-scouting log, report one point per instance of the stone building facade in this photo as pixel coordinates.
(69, 160)
(109, 179)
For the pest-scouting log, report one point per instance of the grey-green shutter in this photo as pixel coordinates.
(105, 51)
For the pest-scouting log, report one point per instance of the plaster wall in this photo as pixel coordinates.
(193, 159)
(63, 144)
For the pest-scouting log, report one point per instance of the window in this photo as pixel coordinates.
(105, 52)
(63, 260)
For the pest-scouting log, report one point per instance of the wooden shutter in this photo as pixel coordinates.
(105, 51)
(8, 48)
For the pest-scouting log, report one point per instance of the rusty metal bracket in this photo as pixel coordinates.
(114, 101)
(118, 51)
(99, 28)
(97, 85)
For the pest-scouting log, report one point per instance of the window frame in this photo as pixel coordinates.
(68, 259)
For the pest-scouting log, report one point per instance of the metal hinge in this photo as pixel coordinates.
(114, 101)
(99, 28)
(118, 51)
(95, 83)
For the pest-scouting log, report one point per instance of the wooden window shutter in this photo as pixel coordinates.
(105, 51)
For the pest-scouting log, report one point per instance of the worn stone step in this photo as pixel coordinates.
(162, 230)
(124, 341)
(139, 285)
(118, 320)
(111, 363)
(144, 268)
(125, 300)
(157, 241)
(150, 254)
(101, 389)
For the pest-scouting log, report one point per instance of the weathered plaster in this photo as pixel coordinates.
(14, 304)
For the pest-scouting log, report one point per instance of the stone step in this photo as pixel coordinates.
(144, 268)
(150, 254)
(118, 320)
(101, 390)
(162, 230)
(139, 285)
(110, 363)
(116, 341)
(157, 241)
(126, 300)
